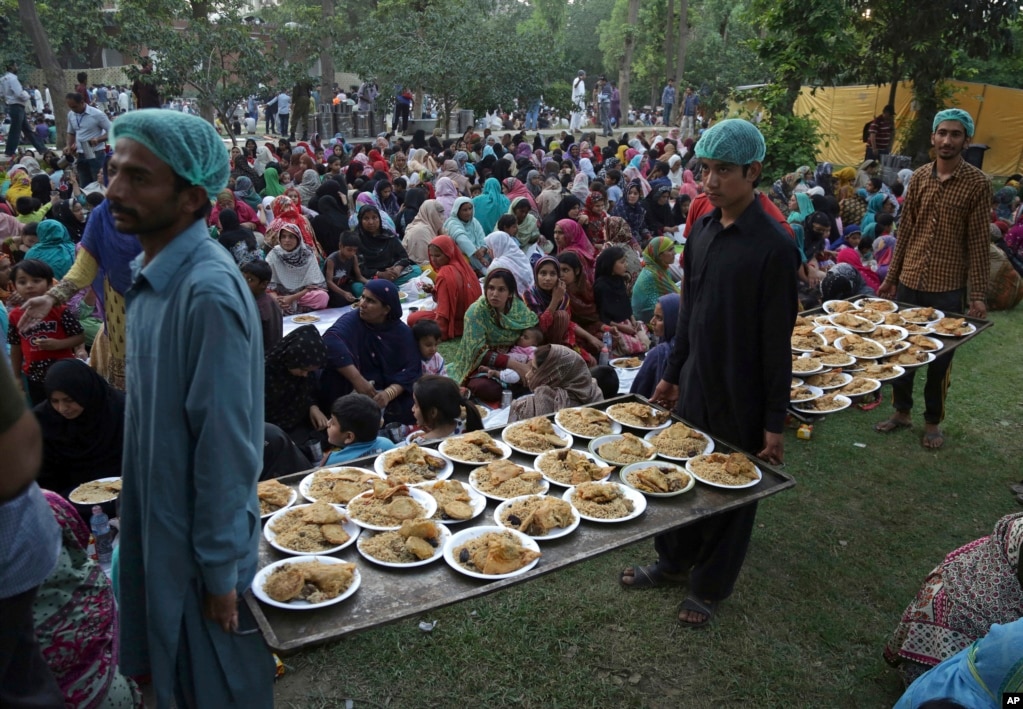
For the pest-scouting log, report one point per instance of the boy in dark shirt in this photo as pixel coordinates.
(344, 280)
(257, 276)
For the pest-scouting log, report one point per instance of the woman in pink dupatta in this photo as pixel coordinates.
(447, 193)
(571, 237)
(513, 188)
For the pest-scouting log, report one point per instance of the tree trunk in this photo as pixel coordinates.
(669, 39)
(683, 38)
(894, 86)
(625, 68)
(326, 56)
(47, 62)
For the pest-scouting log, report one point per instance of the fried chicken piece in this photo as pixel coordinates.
(458, 510)
(420, 548)
(422, 528)
(322, 513)
(502, 556)
(329, 579)
(334, 533)
(503, 471)
(273, 492)
(599, 493)
(740, 466)
(654, 479)
(285, 583)
(404, 508)
(551, 514)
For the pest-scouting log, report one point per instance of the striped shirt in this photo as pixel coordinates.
(883, 131)
(943, 237)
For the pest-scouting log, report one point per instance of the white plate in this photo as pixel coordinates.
(862, 328)
(829, 306)
(467, 535)
(558, 431)
(622, 367)
(877, 383)
(100, 502)
(638, 504)
(939, 345)
(873, 316)
(818, 368)
(760, 476)
(438, 551)
(443, 474)
(815, 335)
(930, 358)
(899, 371)
(816, 391)
(938, 315)
(305, 319)
(552, 481)
(883, 305)
(553, 534)
(476, 500)
(830, 333)
(822, 321)
(650, 436)
(846, 378)
(656, 464)
(307, 482)
(850, 361)
(424, 498)
(632, 425)
(291, 501)
(615, 426)
(505, 452)
(896, 348)
(971, 328)
(901, 332)
(796, 382)
(845, 401)
(596, 443)
(271, 536)
(840, 344)
(544, 486)
(263, 574)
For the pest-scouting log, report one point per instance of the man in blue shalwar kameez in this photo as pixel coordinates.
(193, 430)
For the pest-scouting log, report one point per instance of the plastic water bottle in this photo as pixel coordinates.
(506, 398)
(607, 340)
(605, 351)
(100, 524)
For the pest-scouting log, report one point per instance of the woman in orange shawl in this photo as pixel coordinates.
(455, 288)
(288, 210)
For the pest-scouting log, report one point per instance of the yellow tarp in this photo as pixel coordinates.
(997, 112)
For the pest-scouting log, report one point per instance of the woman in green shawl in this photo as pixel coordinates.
(273, 183)
(654, 280)
(803, 207)
(529, 228)
(490, 205)
(54, 247)
(492, 325)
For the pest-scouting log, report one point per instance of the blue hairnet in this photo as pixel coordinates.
(954, 114)
(733, 140)
(190, 146)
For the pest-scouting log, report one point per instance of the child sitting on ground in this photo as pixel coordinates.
(523, 351)
(614, 306)
(509, 224)
(344, 281)
(53, 338)
(440, 410)
(428, 335)
(353, 428)
(257, 276)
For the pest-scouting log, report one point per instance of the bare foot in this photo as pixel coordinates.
(894, 423)
(933, 437)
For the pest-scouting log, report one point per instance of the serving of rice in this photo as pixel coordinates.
(601, 501)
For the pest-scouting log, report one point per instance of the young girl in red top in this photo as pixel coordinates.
(54, 338)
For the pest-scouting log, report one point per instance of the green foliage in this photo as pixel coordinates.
(72, 27)
(582, 48)
(718, 58)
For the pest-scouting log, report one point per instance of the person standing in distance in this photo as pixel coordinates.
(87, 130)
(940, 258)
(690, 105)
(16, 98)
(668, 101)
(578, 103)
(730, 365)
(192, 448)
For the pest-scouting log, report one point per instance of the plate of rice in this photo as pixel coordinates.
(622, 449)
(570, 467)
(413, 464)
(802, 394)
(337, 485)
(636, 415)
(371, 511)
(727, 471)
(827, 404)
(306, 582)
(504, 479)
(585, 422)
(680, 442)
(881, 305)
(826, 381)
(96, 492)
(838, 306)
(804, 365)
(535, 435)
(474, 448)
(417, 543)
(538, 516)
(922, 316)
(310, 529)
(657, 479)
(456, 501)
(860, 386)
(626, 363)
(606, 502)
(491, 552)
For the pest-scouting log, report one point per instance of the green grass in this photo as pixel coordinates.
(832, 565)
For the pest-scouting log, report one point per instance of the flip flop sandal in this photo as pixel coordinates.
(930, 437)
(651, 576)
(1017, 488)
(871, 405)
(705, 608)
(1019, 499)
(890, 426)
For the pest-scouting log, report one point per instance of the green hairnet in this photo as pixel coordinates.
(954, 114)
(733, 140)
(189, 145)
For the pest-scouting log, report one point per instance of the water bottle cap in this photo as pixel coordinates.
(97, 510)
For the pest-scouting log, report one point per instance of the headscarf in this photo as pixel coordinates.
(243, 190)
(189, 145)
(54, 247)
(273, 188)
(516, 189)
(595, 221)
(653, 250)
(490, 205)
(285, 211)
(904, 176)
(874, 207)
(21, 186)
(884, 250)
(529, 228)
(447, 193)
(586, 167)
(509, 256)
(232, 233)
(456, 286)
(428, 223)
(369, 199)
(465, 234)
(549, 198)
(562, 381)
(310, 183)
(88, 446)
(391, 206)
(1003, 202)
(580, 186)
(806, 208)
(561, 211)
(534, 190)
(288, 397)
(111, 249)
(847, 176)
(634, 214)
(485, 328)
(688, 185)
(577, 242)
(61, 212)
(263, 158)
(538, 299)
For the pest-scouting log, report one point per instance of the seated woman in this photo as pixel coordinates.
(422, 229)
(571, 238)
(241, 242)
(596, 218)
(82, 421)
(631, 209)
(297, 280)
(559, 379)
(285, 210)
(290, 386)
(372, 352)
(489, 206)
(660, 220)
(585, 318)
(662, 324)
(467, 232)
(76, 621)
(492, 325)
(571, 208)
(548, 298)
(54, 246)
(975, 587)
(610, 294)
(381, 254)
(528, 232)
(505, 253)
(455, 287)
(441, 410)
(246, 214)
(654, 280)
